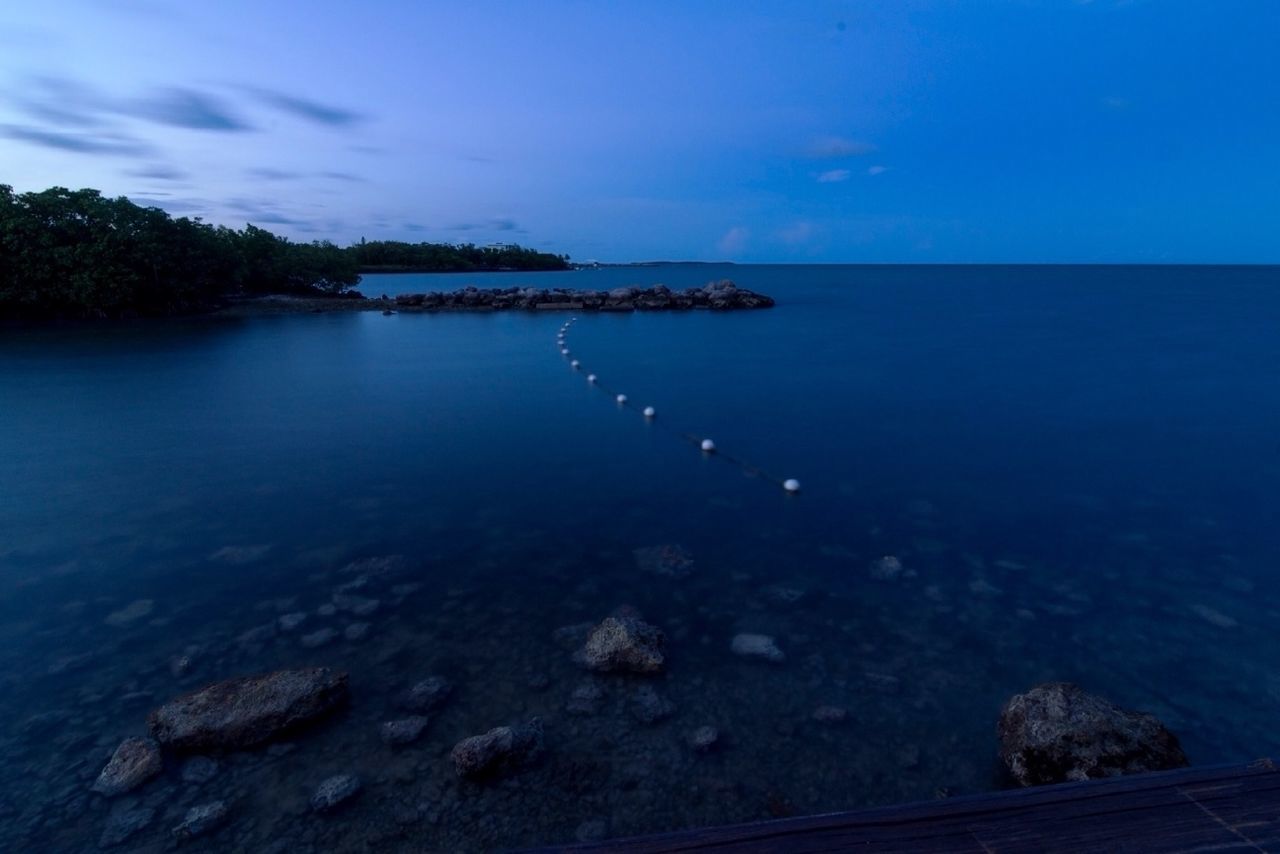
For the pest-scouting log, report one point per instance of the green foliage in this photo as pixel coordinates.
(448, 258)
(78, 254)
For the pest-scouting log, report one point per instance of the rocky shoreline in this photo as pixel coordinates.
(723, 295)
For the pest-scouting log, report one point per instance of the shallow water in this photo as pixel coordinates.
(1077, 468)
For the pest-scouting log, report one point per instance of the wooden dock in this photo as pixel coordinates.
(1232, 808)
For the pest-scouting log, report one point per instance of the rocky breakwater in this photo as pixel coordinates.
(721, 295)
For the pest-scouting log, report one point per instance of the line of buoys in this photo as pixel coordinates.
(708, 446)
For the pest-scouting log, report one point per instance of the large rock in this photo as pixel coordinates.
(201, 819)
(624, 644)
(1057, 732)
(335, 791)
(135, 762)
(248, 711)
(502, 749)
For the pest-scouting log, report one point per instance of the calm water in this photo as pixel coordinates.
(1077, 467)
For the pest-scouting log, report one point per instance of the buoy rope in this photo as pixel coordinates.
(624, 402)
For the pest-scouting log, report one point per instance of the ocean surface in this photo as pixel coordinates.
(1078, 469)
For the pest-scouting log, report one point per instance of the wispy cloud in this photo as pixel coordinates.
(496, 224)
(834, 176)
(185, 108)
(877, 170)
(71, 103)
(796, 233)
(305, 108)
(266, 173)
(158, 172)
(837, 147)
(343, 176)
(733, 241)
(110, 144)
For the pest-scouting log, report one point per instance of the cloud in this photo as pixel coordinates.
(312, 111)
(496, 224)
(269, 174)
(65, 102)
(158, 172)
(834, 176)
(343, 176)
(877, 170)
(734, 240)
(1114, 102)
(837, 147)
(110, 144)
(170, 204)
(185, 108)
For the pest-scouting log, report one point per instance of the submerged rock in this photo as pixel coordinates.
(130, 613)
(405, 730)
(199, 769)
(704, 739)
(318, 638)
(201, 819)
(505, 748)
(426, 695)
(135, 762)
(670, 561)
(240, 713)
(125, 823)
(649, 707)
(888, 568)
(756, 646)
(585, 699)
(334, 792)
(623, 644)
(1057, 732)
(831, 714)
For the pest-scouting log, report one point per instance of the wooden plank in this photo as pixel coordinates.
(1223, 809)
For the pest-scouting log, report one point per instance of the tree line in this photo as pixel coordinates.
(76, 253)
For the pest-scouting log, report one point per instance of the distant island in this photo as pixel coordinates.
(77, 254)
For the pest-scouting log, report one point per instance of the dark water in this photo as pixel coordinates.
(1077, 468)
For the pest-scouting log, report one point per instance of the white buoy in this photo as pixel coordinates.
(708, 446)
(791, 485)
(649, 412)
(591, 378)
(575, 363)
(622, 398)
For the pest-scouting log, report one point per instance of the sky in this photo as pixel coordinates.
(876, 131)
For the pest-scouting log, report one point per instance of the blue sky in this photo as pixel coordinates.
(858, 131)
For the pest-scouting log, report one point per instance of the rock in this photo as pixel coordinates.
(623, 644)
(669, 561)
(125, 823)
(318, 638)
(426, 695)
(130, 613)
(756, 646)
(201, 819)
(405, 730)
(585, 699)
(649, 707)
(244, 712)
(1057, 732)
(505, 748)
(199, 769)
(135, 762)
(289, 622)
(704, 739)
(359, 606)
(831, 714)
(356, 631)
(888, 568)
(334, 792)
(592, 830)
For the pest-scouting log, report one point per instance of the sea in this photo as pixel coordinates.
(1007, 475)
